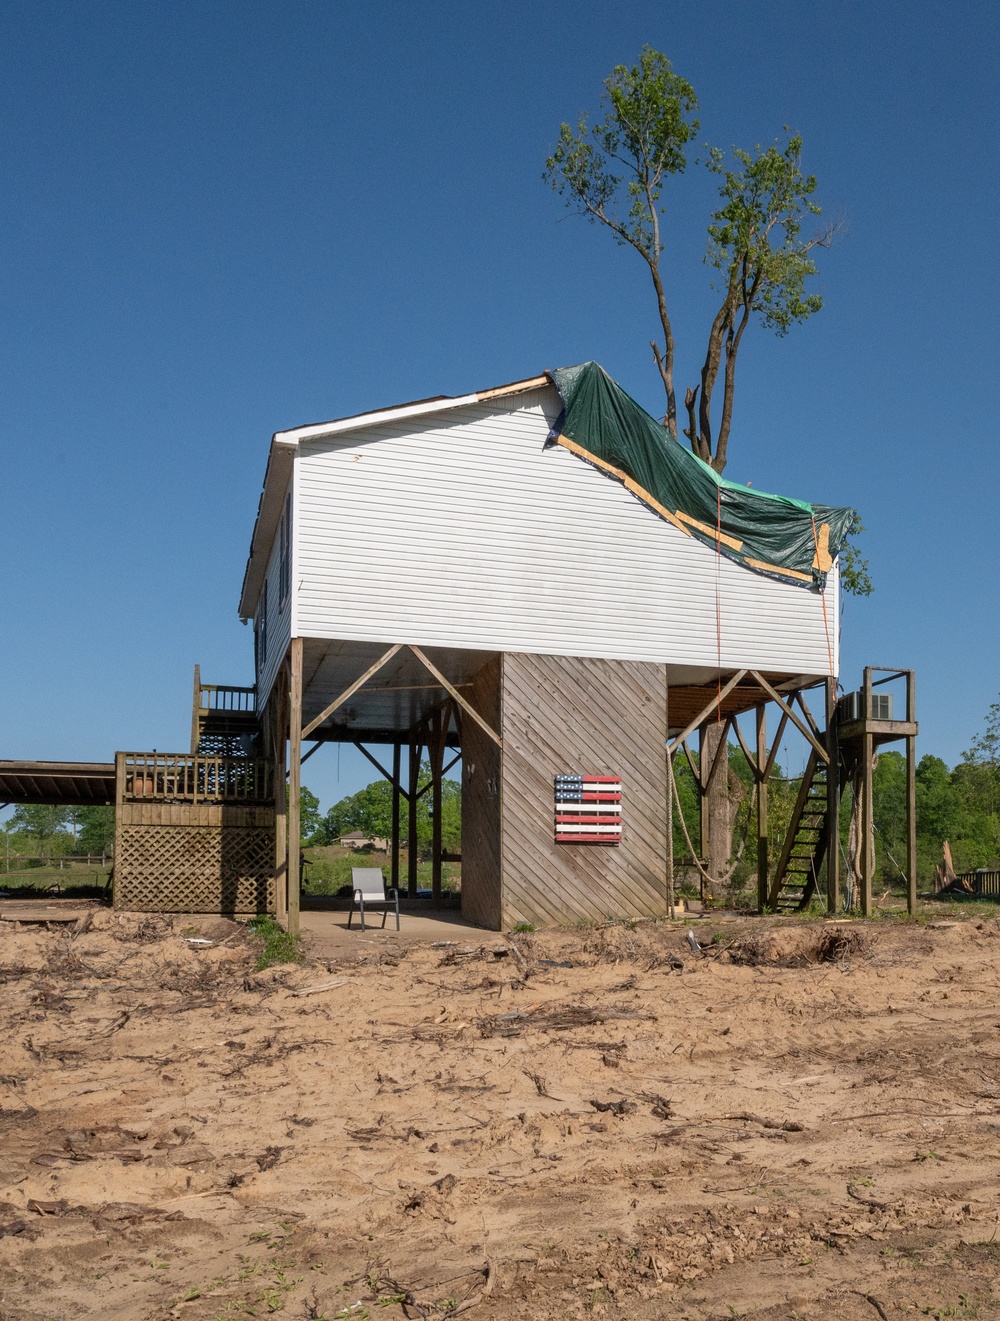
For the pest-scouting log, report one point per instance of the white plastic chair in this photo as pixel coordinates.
(370, 892)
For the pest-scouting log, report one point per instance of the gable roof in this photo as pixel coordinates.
(601, 424)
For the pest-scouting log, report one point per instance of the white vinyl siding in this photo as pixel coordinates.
(461, 529)
(279, 625)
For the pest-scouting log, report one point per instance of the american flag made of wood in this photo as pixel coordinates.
(588, 809)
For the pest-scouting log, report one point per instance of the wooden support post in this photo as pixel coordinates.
(867, 819)
(279, 725)
(196, 710)
(670, 808)
(413, 772)
(832, 802)
(294, 783)
(911, 797)
(438, 734)
(762, 822)
(704, 771)
(394, 873)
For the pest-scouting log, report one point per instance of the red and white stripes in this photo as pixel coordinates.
(588, 809)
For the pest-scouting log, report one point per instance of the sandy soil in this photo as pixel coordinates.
(799, 1121)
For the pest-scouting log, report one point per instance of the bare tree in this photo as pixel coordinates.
(755, 243)
(613, 173)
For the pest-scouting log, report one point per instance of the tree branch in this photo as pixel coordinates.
(691, 431)
(733, 339)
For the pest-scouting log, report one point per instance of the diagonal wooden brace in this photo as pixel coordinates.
(348, 693)
(703, 715)
(379, 767)
(796, 720)
(453, 692)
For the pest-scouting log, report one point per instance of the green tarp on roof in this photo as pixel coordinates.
(768, 533)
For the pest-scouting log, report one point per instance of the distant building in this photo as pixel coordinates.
(358, 840)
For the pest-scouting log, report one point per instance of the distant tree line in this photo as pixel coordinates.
(37, 830)
(370, 811)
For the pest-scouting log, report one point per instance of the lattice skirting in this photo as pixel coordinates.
(194, 869)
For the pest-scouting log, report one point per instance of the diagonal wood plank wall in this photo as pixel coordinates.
(600, 717)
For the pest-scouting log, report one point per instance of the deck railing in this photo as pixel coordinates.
(220, 714)
(984, 881)
(180, 777)
(224, 697)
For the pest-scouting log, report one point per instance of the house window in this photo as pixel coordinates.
(284, 553)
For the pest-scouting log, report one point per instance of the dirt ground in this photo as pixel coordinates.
(801, 1120)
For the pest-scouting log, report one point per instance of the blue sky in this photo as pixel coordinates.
(218, 220)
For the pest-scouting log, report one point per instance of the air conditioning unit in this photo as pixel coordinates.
(852, 706)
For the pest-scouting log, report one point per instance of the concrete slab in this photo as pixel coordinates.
(326, 933)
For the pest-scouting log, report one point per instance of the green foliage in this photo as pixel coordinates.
(310, 818)
(855, 577)
(960, 805)
(276, 945)
(754, 238)
(370, 811)
(977, 779)
(95, 827)
(688, 795)
(985, 750)
(39, 823)
(56, 831)
(612, 173)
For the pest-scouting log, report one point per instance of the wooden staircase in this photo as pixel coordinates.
(804, 850)
(223, 719)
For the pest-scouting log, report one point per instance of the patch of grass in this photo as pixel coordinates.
(523, 927)
(276, 944)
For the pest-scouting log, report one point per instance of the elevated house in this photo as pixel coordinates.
(537, 578)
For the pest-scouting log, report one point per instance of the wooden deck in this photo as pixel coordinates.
(57, 783)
